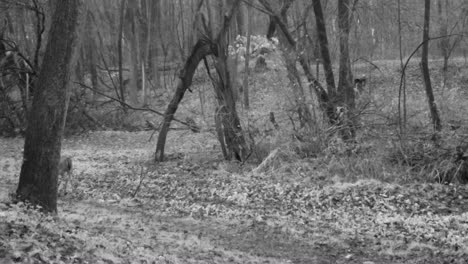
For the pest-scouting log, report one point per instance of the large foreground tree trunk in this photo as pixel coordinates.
(425, 68)
(39, 172)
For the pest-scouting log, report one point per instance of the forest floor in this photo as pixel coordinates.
(197, 208)
(321, 204)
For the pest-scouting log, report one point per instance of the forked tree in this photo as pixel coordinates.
(39, 171)
(329, 99)
(229, 130)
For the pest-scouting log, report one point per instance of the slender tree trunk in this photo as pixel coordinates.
(402, 89)
(200, 51)
(133, 31)
(91, 54)
(323, 98)
(120, 50)
(233, 135)
(147, 57)
(241, 29)
(155, 51)
(247, 58)
(345, 82)
(211, 19)
(324, 50)
(39, 172)
(290, 55)
(444, 43)
(425, 68)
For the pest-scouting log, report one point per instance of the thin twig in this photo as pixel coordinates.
(142, 177)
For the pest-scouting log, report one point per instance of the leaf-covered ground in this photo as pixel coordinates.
(196, 208)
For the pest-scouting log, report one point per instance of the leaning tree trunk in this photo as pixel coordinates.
(324, 100)
(290, 55)
(39, 172)
(425, 68)
(202, 48)
(232, 137)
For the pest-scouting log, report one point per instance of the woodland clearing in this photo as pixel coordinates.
(197, 208)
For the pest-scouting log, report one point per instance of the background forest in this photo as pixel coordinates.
(233, 131)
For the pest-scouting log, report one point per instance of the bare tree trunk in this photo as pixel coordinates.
(153, 46)
(229, 122)
(345, 82)
(201, 49)
(39, 172)
(211, 19)
(425, 68)
(120, 50)
(324, 100)
(402, 89)
(134, 34)
(241, 29)
(147, 57)
(245, 84)
(233, 135)
(290, 55)
(324, 50)
(444, 43)
(91, 54)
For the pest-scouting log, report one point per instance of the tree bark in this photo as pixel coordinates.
(133, 31)
(245, 84)
(91, 54)
(425, 68)
(241, 28)
(290, 55)
(325, 102)
(39, 171)
(324, 50)
(201, 49)
(444, 43)
(345, 82)
(232, 134)
(120, 51)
